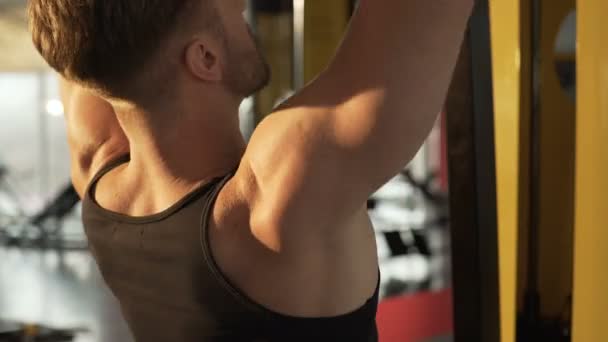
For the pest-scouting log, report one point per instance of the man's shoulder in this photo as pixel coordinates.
(235, 199)
(242, 207)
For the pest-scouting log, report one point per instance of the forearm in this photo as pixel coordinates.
(395, 43)
(391, 76)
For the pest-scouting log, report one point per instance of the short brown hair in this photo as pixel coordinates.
(103, 44)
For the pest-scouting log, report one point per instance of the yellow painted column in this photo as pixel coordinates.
(506, 58)
(275, 37)
(325, 23)
(591, 216)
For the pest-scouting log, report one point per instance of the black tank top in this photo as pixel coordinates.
(170, 289)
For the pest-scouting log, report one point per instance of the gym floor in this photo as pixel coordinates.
(61, 290)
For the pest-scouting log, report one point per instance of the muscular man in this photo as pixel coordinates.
(204, 238)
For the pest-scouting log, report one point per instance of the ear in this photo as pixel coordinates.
(203, 61)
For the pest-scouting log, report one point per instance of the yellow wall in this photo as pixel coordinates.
(591, 229)
(505, 21)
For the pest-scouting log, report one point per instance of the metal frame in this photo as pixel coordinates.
(299, 12)
(472, 170)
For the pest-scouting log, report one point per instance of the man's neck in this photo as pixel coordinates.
(182, 150)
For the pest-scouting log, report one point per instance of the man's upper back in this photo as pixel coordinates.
(199, 261)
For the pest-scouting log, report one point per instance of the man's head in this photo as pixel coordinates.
(137, 50)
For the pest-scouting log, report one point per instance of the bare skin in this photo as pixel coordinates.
(293, 220)
(94, 134)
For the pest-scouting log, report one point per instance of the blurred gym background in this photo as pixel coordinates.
(50, 288)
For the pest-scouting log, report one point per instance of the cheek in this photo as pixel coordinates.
(243, 31)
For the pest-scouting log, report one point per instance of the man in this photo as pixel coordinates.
(204, 238)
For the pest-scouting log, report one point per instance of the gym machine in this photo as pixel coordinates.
(473, 222)
(42, 229)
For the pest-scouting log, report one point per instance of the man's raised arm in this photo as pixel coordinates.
(364, 118)
(94, 134)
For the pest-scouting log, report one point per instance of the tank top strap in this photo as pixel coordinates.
(105, 170)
